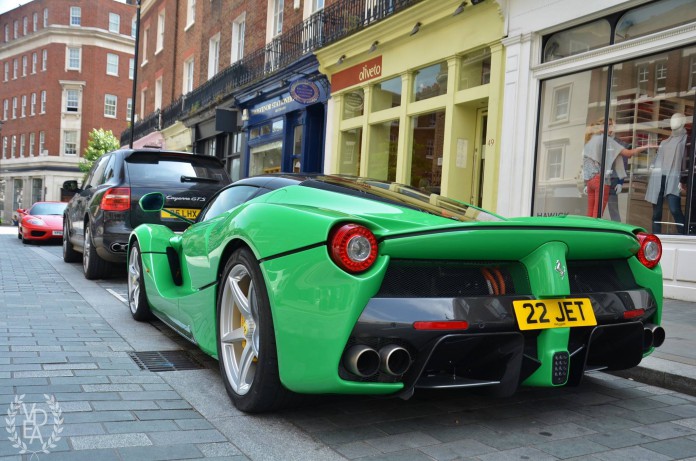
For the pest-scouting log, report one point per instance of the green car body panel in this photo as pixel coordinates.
(315, 304)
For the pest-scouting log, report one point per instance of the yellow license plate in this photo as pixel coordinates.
(535, 314)
(188, 213)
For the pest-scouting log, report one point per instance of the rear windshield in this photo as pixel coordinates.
(402, 195)
(44, 209)
(155, 167)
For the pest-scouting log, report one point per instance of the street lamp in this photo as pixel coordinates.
(135, 70)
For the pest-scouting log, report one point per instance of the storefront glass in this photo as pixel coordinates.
(266, 158)
(353, 104)
(475, 69)
(430, 81)
(639, 136)
(654, 18)
(349, 152)
(384, 139)
(386, 95)
(427, 140)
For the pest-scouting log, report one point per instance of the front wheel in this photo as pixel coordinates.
(246, 340)
(69, 253)
(137, 300)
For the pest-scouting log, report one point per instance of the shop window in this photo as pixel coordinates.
(430, 81)
(233, 155)
(17, 196)
(386, 95)
(427, 141)
(577, 40)
(654, 17)
(692, 73)
(297, 149)
(266, 158)
(36, 190)
(475, 69)
(353, 103)
(350, 150)
(384, 139)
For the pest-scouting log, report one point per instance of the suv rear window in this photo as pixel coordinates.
(140, 166)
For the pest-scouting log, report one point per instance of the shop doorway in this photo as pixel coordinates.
(479, 157)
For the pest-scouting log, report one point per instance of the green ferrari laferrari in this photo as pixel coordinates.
(317, 284)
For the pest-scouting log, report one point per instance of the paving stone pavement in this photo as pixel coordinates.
(65, 338)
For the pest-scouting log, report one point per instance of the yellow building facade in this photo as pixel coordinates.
(416, 99)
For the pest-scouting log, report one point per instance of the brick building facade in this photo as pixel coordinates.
(64, 70)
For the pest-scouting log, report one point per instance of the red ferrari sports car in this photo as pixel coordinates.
(42, 222)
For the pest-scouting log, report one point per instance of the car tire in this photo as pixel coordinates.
(69, 253)
(137, 299)
(245, 338)
(19, 233)
(93, 265)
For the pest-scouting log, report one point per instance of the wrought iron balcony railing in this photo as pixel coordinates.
(333, 23)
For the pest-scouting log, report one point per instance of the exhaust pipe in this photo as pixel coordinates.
(394, 360)
(654, 336)
(361, 360)
(118, 247)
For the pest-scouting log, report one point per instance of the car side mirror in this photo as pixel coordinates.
(21, 210)
(154, 201)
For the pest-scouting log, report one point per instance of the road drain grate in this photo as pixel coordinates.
(165, 360)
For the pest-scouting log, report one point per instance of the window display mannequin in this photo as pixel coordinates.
(592, 158)
(665, 175)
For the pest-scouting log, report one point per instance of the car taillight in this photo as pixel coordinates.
(442, 325)
(650, 250)
(353, 247)
(116, 199)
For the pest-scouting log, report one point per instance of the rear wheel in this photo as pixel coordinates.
(137, 300)
(69, 253)
(19, 232)
(93, 265)
(246, 341)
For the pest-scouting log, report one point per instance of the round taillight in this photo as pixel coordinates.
(353, 247)
(650, 250)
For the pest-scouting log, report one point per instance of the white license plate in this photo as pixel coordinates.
(57, 233)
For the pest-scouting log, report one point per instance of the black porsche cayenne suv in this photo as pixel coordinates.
(104, 210)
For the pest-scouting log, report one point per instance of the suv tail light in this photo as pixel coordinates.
(353, 247)
(116, 199)
(650, 250)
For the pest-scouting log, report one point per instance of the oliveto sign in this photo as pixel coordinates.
(362, 72)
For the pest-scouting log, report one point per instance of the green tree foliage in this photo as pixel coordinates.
(100, 142)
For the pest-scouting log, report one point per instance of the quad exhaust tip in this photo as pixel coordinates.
(119, 247)
(365, 361)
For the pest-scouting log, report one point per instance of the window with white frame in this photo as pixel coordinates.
(74, 58)
(160, 32)
(190, 13)
(238, 29)
(32, 110)
(642, 78)
(36, 189)
(188, 76)
(22, 144)
(16, 30)
(158, 93)
(15, 68)
(4, 147)
(44, 59)
(112, 64)
(554, 162)
(5, 108)
(561, 103)
(75, 16)
(24, 106)
(317, 5)
(14, 107)
(146, 38)
(114, 23)
(45, 17)
(278, 6)
(143, 99)
(14, 144)
(43, 101)
(129, 108)
(42, 142)
(7, 70)
(213, 56)
(660, 77)
(110, 105)
(7, 33)
(72, 100)
(70, 142)
(24, 66)
(25, 25)
(32, 140)
(34, 62)
(134, 28)
(131, 68)
(35, 22)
